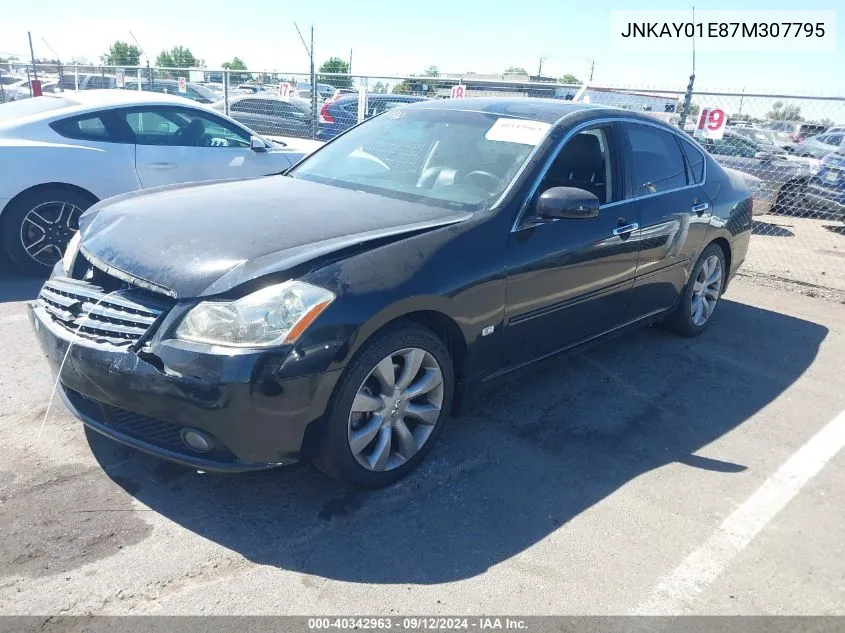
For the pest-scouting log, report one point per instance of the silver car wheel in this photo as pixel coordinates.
(706, 290)
(395, 409)
(46, 230)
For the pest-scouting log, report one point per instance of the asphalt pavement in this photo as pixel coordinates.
(648, 474)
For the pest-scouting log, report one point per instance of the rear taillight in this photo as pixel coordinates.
(325, 117)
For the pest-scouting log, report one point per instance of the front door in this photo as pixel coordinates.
(570, 279)
(179, 144)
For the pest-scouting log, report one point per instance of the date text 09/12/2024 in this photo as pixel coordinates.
(418, 623)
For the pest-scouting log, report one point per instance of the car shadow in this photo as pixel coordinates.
(772, 230)
(16, 285)
(835, 228)
(534, 452)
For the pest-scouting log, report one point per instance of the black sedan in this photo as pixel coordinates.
(343, 311)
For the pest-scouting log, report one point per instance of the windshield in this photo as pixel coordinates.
(27, 107)
(206, 92)
(442, 157)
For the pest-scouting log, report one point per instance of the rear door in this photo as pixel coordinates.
(179, 144)
(667, 172)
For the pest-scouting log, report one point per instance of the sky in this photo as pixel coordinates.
(399, 38)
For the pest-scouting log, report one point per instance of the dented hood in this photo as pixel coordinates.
(198, 240)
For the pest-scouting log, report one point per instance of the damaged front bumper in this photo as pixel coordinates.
(252, 407)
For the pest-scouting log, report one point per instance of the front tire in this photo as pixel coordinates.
(38, 225)
(388, 409)
(698, 303)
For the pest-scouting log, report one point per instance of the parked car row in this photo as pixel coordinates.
(808, 180)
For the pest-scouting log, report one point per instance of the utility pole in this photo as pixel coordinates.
(32, 54)
(350, 61)
(592, 68)
(146, 57)
(688, 95)
(540, 68)
(310, 51)
(58, 59)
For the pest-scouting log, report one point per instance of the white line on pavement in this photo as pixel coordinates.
(13, 318)
(676, 592)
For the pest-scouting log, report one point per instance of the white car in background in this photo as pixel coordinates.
(60, 154)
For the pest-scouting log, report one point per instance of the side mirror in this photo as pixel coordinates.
(256, 144)
(567, 203)
(764, 156)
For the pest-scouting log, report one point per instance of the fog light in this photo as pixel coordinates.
(196, 440)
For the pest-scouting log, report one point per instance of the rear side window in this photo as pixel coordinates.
(658, 161)
(695, 162)
(89, 128)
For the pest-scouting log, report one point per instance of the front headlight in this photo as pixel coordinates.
(70, 252)
(275, 315)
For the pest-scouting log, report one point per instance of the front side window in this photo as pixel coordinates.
(182, 127)
(584, 163)
(658, 161)
(441, 157)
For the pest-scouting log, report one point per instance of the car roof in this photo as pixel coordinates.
(82, 101)
(269, 96)
(546, 110)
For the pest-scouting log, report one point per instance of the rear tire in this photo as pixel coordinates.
(38, 225)
(376, 434)
(701, 296)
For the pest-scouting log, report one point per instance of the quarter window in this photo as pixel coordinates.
(87, 129)
(695, 162)
(658, 161)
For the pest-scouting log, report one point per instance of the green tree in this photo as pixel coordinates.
(176, 57)
(237, 64)
(431, 71)
(380, 87)
(515, 70)
(781, 112)
(121, 54)
(569, 78)
(335, 65)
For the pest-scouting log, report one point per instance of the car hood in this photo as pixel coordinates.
(204, 239)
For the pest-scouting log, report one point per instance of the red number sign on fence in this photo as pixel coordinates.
(711, 123)
(284, 89)
(459, 91)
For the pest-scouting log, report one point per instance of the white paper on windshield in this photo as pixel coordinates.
(517, 131)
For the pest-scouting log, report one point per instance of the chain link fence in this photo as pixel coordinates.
(789, 148)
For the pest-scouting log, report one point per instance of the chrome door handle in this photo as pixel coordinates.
(700, 208)
(161, 166)
(628, 228)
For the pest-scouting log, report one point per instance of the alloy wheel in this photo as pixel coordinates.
(706, 290)
(395, 409)
(46, 230)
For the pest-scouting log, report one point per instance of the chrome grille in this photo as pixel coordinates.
(121, 317)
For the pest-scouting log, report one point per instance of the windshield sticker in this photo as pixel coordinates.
(517, 131)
